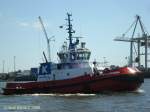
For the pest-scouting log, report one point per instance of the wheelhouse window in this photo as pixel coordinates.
(83, 55)
(63, 56)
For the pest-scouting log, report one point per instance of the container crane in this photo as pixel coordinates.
(140, 41)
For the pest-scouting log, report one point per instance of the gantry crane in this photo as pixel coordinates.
(143, 40)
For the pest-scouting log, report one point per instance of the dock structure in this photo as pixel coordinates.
(136, 43)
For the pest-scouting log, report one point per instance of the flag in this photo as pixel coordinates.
(60, 26)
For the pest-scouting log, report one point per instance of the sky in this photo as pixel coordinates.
(98, 21)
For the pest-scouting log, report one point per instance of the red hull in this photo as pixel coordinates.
(82, 84)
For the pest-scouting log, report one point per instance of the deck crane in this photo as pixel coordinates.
(47, 39)
(144, 40)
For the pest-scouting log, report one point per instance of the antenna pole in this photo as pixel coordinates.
(70, 31)
(3, 66)
(14, 63)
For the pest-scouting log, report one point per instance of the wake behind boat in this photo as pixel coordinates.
(74, 74)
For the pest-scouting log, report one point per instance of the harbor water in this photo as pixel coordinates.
(137, 101)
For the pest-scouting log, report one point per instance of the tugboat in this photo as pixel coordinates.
(74, 73)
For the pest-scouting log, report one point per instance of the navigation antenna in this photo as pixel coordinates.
(72, 45)
(70, 31)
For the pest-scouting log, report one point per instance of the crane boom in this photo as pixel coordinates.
(125, 39)
(47, 39)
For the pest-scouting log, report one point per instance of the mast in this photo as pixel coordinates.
(70, 31)
(72, 53)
